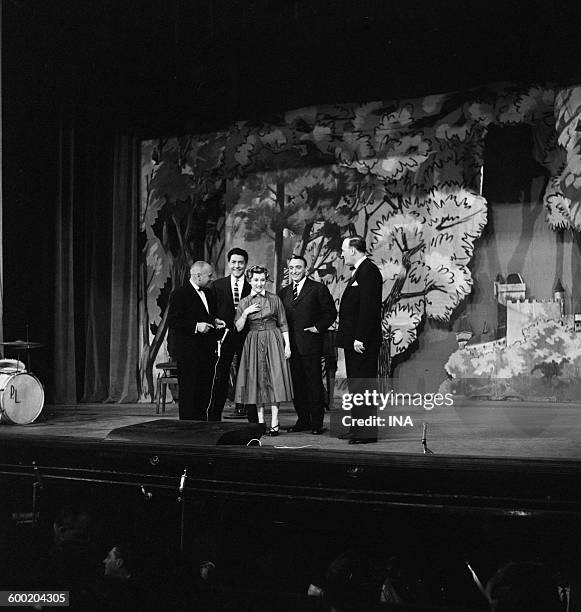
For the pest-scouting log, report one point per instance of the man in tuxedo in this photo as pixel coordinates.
(228, 292)
(192, 316)
(310, 311)
(359, 330)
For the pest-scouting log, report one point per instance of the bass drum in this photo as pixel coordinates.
(21, 398)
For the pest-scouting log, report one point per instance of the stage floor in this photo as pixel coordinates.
(476, 429)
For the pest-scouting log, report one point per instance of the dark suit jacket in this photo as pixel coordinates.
(360, 308)
(314, 306)
(186, 309)
(225, 310)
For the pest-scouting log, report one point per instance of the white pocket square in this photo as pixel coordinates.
(355, 284)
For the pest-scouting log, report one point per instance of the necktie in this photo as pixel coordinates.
(295, 291)
(236, 294)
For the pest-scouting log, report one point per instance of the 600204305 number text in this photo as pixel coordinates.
(27, 598)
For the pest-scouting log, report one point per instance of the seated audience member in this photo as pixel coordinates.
(117, 564)
(120, 589)
(523, 587)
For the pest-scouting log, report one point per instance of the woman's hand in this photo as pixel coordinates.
(287, 351)
(252, 308)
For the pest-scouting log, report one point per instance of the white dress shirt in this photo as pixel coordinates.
(202, 296)
(357, 264)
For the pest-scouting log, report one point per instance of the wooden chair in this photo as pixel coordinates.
(167, 375)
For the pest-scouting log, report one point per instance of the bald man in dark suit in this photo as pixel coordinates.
(359, 330)
(192, 316)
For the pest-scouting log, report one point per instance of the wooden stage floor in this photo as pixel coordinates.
(476, 429)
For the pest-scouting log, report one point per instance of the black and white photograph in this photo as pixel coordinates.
(290, 305)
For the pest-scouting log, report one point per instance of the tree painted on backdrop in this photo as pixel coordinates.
(565, 201)
(296, 183)
(422, 224)
(321, 206)
(283, 189)
(182, 220)
(423, 247)
(379, 155)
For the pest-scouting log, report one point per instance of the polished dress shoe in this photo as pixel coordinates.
(362, 440)
(238, 413)
(317, 431)
(296, 428)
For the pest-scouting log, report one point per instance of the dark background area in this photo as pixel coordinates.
(162, 68)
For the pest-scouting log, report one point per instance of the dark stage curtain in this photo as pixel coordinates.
(96, 279)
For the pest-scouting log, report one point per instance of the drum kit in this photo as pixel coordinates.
(21, 393)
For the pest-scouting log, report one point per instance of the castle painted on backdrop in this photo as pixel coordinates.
(535, 350)
(516, 313)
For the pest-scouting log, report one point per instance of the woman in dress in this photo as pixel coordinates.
(264, 375)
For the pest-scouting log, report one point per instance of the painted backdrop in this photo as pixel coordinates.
(405, 174)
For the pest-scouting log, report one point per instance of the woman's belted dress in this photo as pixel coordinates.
(264, 373)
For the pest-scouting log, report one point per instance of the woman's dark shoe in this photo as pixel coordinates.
(273, 431)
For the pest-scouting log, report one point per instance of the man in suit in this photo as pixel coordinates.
(228, 292)
(192, 316)
(359, 330)
(310, 311)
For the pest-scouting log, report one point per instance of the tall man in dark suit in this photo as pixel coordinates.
(310, 311)
(359, 330)
(228, 292)
(192, 316)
